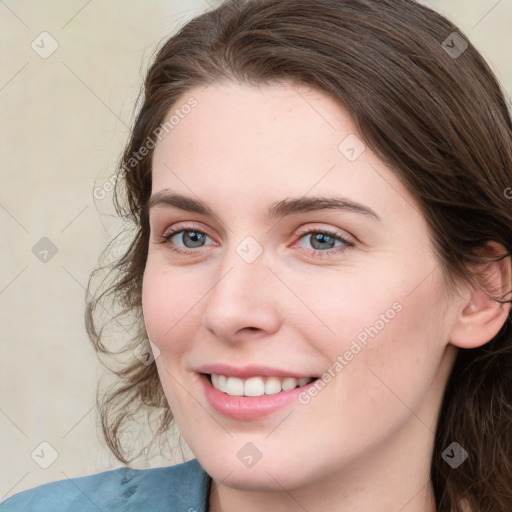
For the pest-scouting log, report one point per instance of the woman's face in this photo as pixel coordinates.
(296, 255)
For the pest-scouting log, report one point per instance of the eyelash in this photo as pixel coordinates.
(166, 240)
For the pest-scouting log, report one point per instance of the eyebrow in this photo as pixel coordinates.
(278, 209)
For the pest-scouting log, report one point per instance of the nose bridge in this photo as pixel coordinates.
(244, 267)
(243, 295)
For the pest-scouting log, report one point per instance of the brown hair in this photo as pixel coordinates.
(429, 107)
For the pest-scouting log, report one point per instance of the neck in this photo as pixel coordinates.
(225, 500)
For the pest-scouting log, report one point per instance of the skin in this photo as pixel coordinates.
(365, 441)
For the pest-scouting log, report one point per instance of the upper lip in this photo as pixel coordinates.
(246, 372)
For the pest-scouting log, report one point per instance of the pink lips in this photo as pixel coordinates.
(248, 408)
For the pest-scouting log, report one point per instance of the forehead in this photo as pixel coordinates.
(269, 141)
(255, 119)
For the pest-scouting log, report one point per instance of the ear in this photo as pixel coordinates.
(481, 316)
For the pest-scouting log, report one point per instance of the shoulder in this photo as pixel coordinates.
(183, 487)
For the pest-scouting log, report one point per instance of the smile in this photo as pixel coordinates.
(251, 396)
(256, 386)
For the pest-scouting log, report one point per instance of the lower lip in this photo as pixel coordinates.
(248, 407)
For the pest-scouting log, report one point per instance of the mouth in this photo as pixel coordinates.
(256, 386)
(253, 397)
(251, 392)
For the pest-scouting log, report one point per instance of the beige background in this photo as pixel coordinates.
(64, 121)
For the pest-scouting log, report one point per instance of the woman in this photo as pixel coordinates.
(322, 265)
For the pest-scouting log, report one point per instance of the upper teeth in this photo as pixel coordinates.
(256, 386)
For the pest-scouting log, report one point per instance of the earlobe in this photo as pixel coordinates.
(482, 316)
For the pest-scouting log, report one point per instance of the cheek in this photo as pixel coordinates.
(168, 301)
(364, 303)
(154, 305)
(388, 333)
(399, 359)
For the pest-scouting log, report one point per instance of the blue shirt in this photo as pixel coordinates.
(181, 488)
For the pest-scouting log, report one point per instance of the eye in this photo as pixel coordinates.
(184, 240)
(322, 241)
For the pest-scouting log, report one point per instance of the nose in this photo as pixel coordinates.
(243, 301)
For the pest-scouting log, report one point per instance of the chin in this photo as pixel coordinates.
(250, 479)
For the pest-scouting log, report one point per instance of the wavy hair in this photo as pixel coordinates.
(425, 101)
